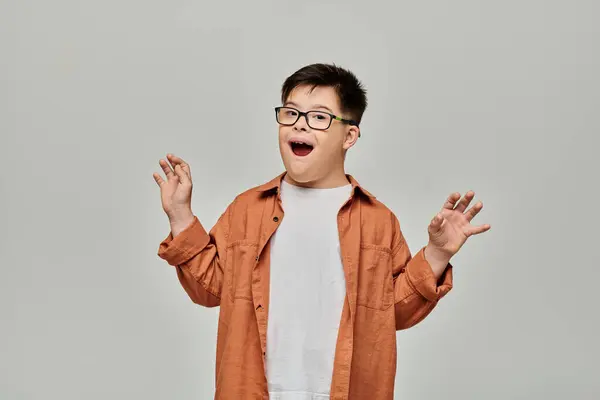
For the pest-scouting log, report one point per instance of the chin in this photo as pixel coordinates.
(298, 173)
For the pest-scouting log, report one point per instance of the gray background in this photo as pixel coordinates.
(500, 97)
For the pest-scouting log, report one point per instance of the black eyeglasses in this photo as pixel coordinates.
(319, 120)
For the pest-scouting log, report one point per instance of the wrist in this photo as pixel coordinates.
(180, 222)
(437, 259)
(434, 253)
(180, 214)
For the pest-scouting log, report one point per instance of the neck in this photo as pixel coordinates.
(332, 180)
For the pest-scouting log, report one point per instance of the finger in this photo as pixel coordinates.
(158, 179)
(179, 161)
(473, 211)
(186, 169)
(173, 159)
(436, 223)
(465, 201)
(451, 201)
(183, 177)
(167, 169)
(476, 230)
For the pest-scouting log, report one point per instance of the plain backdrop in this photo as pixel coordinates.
(501, 97)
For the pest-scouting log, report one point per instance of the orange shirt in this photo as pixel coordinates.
(387, 289)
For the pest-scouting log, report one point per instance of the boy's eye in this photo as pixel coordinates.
(318, 116)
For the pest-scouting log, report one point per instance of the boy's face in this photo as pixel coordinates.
(321, 163)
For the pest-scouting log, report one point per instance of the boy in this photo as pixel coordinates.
(311, 271)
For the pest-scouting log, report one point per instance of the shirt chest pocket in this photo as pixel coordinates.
(241, 260)
(375, 283)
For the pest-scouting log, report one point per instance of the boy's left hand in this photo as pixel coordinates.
(451, 227)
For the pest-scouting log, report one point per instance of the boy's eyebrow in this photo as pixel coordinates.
(315, 106)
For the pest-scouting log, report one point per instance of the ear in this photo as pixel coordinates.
(351, 137)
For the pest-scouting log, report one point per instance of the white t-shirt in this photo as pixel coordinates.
(307, 292)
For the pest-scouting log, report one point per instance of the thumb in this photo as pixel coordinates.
(435, 226)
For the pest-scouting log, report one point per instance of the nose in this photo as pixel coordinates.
(301, 124)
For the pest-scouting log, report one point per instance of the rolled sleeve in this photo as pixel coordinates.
(416, 290)
(183, 247)
(420, 276)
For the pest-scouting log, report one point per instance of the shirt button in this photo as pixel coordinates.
(275, 219)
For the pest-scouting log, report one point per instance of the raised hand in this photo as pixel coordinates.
(451, 227)
(176, 190)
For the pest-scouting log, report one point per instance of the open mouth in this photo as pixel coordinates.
(301, 149)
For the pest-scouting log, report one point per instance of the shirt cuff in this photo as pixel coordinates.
(181, 248)
(421, 277)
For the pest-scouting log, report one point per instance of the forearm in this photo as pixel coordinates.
(180, 222)
(437, 260)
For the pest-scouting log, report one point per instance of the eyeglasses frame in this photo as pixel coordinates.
(304, 114)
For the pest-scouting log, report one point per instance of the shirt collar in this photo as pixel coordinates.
(275, 185)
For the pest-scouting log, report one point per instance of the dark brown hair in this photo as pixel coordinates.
(350, 91)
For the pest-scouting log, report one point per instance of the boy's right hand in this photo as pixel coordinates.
(176, 192)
